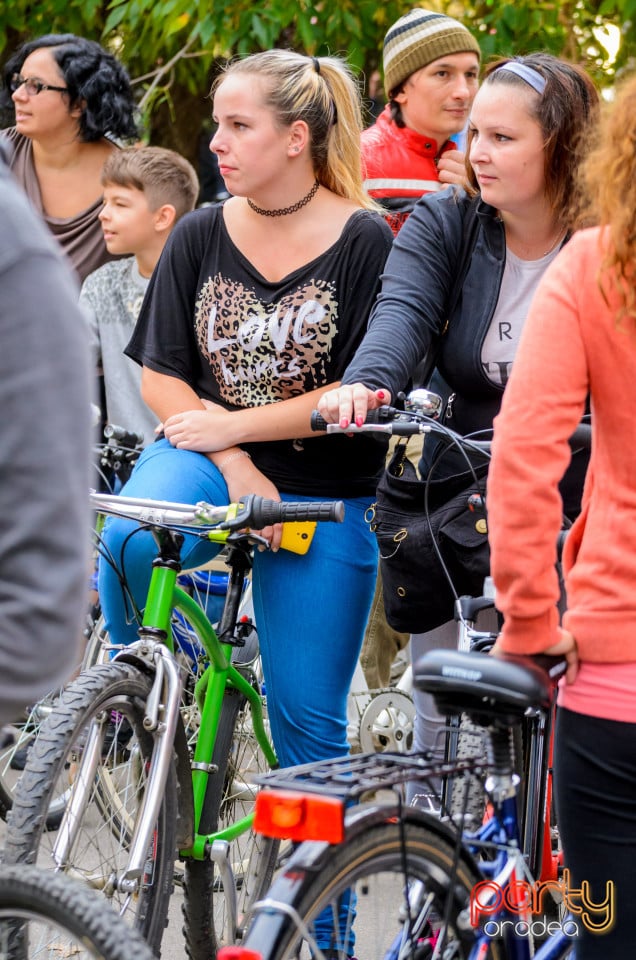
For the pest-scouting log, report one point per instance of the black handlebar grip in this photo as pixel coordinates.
(127, 438)
(317, 422)
(266, 512)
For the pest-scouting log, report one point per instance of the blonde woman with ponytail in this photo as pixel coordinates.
(254, 310)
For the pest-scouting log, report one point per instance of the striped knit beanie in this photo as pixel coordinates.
(418, 38)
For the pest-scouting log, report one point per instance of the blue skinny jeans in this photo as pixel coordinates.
(311, 610)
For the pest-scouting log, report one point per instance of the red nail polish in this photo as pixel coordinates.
(380, 394)
(344, 423)
(359, 421)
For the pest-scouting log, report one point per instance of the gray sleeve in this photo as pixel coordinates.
(90, 319)
(45, 456)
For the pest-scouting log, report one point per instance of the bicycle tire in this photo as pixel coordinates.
(467, 802)
(46, 915)
(14, 753)
(24, 731)
(252, 857)
(370, 863)
(107, 692)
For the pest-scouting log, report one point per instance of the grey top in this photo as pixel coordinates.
(45, 459)
(111, 298)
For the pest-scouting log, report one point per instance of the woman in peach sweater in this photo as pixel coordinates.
(580, 338)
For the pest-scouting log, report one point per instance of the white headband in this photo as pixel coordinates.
(529, 74)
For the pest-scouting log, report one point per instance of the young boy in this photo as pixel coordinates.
(146, 190)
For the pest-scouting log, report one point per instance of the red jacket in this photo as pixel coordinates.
(399, 165)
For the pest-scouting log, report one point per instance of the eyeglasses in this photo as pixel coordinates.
(32, 87)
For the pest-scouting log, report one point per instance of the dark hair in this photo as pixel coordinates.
(163, 175)
(566, 112)
(396, 108)
(96, 81)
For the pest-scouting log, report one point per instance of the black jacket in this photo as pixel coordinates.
(419, 312)
(412, 309)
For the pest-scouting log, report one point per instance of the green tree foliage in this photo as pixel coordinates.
(171, 47)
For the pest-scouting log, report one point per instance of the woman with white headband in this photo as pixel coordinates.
(527, 130)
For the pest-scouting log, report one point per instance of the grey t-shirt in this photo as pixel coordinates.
(518, 285)
(111, 298)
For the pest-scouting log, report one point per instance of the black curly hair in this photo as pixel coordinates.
(95, 79)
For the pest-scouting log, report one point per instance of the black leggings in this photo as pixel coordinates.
(595, 784)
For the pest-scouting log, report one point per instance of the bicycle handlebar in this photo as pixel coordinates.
(127, 438)
(582, 436)
(401, 423)
(382, 420)
(420, 417)
(251, 511)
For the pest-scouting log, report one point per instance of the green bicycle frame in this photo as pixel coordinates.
(163, 595)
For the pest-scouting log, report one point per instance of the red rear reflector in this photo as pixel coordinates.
(297, 816)
(238, 953)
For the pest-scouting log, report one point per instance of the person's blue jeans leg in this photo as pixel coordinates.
(311, 612)
(162, 473)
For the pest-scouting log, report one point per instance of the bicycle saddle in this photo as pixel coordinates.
(485, 687)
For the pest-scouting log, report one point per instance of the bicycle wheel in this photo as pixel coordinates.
(18, 739)
(364, 880)
(47, 915)
(467, 802)
(110, 697)
(251, 858)
(20, 736)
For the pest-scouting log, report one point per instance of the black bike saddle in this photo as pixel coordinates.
(487, 687)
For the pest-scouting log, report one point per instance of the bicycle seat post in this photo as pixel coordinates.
(239, 561)
(502, 783)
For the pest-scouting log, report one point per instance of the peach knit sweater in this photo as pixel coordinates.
(570, 345)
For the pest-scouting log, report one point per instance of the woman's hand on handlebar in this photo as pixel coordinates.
(242, 478)
(349, 404)
(564, 647)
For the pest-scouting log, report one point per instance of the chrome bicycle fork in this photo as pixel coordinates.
(160, 718)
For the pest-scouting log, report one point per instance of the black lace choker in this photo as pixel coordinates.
(285, 210)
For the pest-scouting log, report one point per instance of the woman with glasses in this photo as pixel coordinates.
(73, 106)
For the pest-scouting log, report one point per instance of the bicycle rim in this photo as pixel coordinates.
(111, 697)
(355, 902)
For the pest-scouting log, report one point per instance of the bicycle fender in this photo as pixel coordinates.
(311, 855)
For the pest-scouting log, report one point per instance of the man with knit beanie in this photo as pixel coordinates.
(431, 67)
(431, 70)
